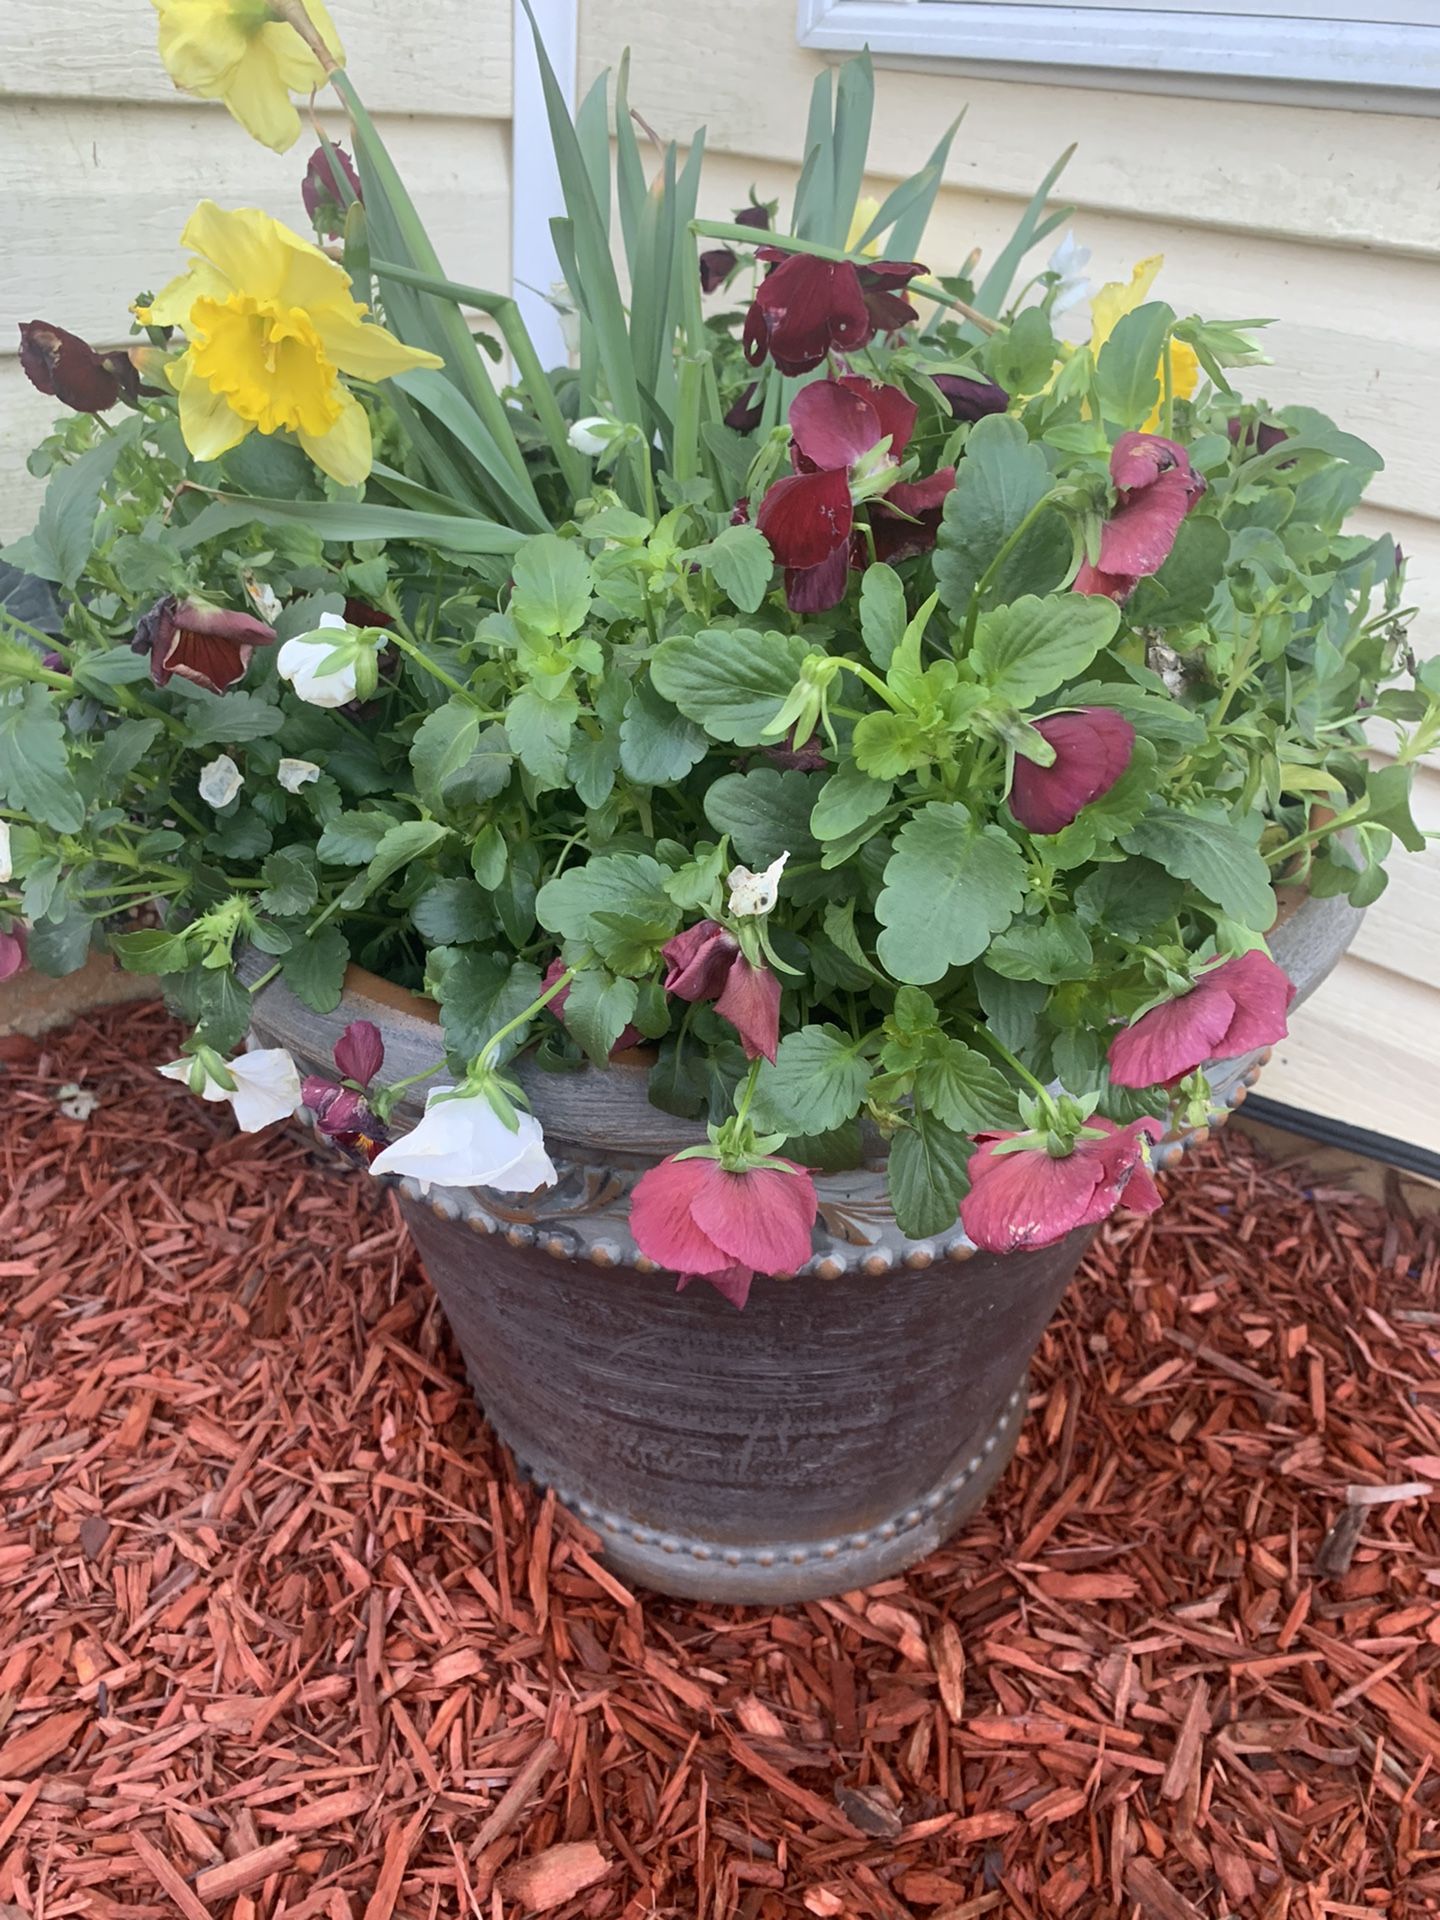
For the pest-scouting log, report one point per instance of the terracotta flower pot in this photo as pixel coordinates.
(831, 1434)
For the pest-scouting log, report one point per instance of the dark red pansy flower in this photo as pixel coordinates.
(360, 613)
(71, 371)
(210, 646)
(12, 951)
(1156, 488)
(745, 414)
(971, 399)
(330, 171)
(1030, 1199)
(342, 1114)
(1254, 436)
(360, 1052)
(1233, 1008)
(807, 519)
(806, 308)
(705, 962)
(1092, 750)
(718, 263)
(906, 520)
(797, 756)
(703, 1223)
(629, 1036)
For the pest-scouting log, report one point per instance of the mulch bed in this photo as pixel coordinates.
(282, 1634)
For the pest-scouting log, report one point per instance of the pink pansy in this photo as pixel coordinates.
(629, 1036)
(703, 1223)
(1232, 1008)
(1092, 750)
(1029, 1199)
(12, 951)
(809, 518)
(806, 308)
(705, 963)
(1156, 488)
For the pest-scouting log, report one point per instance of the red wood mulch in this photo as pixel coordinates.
(281, 1635)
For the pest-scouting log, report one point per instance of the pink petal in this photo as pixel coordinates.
(1172, 1039)
(697, 961)
(806, 517)
(1122, 1173)
(1026, 1199)
(662, 1222)
(12, 952)
(1092, 750)
(762, 1218)
(1262, 993)
(1138, 536)
(832, 424)
(895, 410)
(733, 1282)
(1106, 586)
(360, 1052)
(751, 1003)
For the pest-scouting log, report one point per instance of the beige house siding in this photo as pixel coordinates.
(1327, 220)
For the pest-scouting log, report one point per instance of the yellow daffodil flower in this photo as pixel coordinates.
(241, 52)
(866, 209)
(272, 325)
(1109, 307)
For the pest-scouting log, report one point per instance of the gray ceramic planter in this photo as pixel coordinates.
(834, 1432)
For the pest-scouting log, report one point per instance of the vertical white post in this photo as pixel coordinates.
(535, 195)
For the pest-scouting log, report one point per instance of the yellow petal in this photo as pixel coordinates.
(344, 451)
(208, 422)
(258, 98)
(865, 211)
(171, 306)
(242, 244)
(309, 279)
(201, 43)
(294, 62)
(1184, 378)
(1119, 297)
(365, 349)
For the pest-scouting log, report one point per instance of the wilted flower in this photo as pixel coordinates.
(1255, 436)
(1157, 487)
(220, 781)
(68, 368)
(239, 52)
(704, 1223)
(1029, 1198)
(755, 893)
(1092, 750)
(302, 661)
(330, 172)
(12, 951)
(266, 1085)
(210, 646)
(805, 308)
(971, 399)
(744, 414)
(272, 324)
(462, 1142)
(628, 1037)
(295, 774)
(1233, 1007)
(342, 1113)
(705, 963)
(718, 263)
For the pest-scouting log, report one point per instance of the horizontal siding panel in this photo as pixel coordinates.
(444, 57)
(1357, 180)
(1365, 1050)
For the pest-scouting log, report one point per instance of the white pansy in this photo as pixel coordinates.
(592, 435)
(220, 781)
(299, 660)
(267, 1086)
(7, 870)
(266, 601)
(563, 301)
(294, 774)
(752, 893)
(463, 1142)
(1069, 260)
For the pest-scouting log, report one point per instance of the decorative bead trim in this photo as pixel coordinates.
(564, 1243)
(692, 1547)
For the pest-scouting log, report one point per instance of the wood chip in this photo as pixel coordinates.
(550, 1878)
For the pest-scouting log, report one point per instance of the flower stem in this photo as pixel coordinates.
(557, 985)
(427, 665)
(998, 1046)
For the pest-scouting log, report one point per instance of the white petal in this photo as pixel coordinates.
(7, 872)
(464, 1143)
(752, 893)
(584, 437)
(298, 660)
(180, 1070)
(294, 774)
(337, 619)
(220, 781)
(267, 1088)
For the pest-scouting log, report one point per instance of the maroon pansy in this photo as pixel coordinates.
(1092, 750)
(718, 263)
(342, 1113)
(798, 756)
(906, 520)
(806, 308)
(12, 951)
(1254, 436)
(210, 646)
(69, 369)
(1156, 487)
(705, 963)
(324, 189)
(629, 1036)
(971, 399)
(744, 414)
(1233, 1008)
(1030, 1198)
(703, 1223)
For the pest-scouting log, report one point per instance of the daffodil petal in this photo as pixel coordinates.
(201, 44)
(1119, 297)
(1184, 378)
(208, 422)
(258, 98)
(295, 66)
(239, 244)
(344, 451)
(365, 349)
